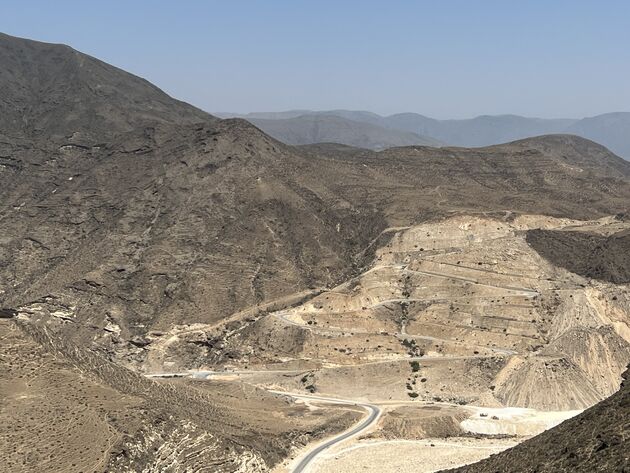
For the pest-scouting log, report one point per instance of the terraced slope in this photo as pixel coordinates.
(115, 232)
(461, 309)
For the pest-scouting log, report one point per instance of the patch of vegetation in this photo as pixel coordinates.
(409, 343)
(412, 348)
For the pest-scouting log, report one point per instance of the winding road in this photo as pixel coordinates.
(374, 413)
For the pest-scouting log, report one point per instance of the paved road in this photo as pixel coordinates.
(374, 412)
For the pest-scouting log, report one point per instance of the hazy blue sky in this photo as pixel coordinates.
(446, 59)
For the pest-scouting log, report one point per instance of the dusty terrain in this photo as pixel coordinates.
(143, 237)
(422, 456)
(461, 310)
(595, 441)
(65, 409)
(460, 329)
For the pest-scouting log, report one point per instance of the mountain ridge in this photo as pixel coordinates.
(54, 90)
(610, 129)
(310, 129)
(128, 216)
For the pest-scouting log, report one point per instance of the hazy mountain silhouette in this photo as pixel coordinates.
(611, 130)
(309, 129)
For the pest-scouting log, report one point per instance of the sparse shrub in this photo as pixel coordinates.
(409, 342)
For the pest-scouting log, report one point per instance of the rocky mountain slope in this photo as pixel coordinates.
(604, 257)
(66, 409)
(130, 218)
(558, 175)
(170, 225)
(125, 231)
(486, 319)
(53, 92)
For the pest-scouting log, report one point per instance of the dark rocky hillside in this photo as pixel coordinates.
(558, 175)
(594, 256)
(51, 91)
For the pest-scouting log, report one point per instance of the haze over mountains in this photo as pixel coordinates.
(142, 236)
(341, 126)
(315, 128)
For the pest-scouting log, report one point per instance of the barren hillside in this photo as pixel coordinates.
(595, 441)
(142, 233)
(66, 409)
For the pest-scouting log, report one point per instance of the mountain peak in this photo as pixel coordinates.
(56, 89)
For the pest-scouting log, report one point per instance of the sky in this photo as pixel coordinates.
(444, 59)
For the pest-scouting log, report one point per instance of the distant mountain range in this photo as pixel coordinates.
(320, 128)
(370, 130)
